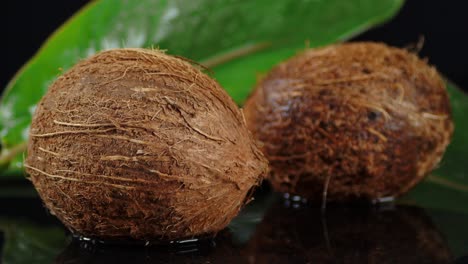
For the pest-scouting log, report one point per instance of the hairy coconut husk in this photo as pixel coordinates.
(356, 120)
(403, 234)
(137, 144)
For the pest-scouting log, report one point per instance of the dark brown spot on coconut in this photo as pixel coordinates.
(371, 119)
(136, 144)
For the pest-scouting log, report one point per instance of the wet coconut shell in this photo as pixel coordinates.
(136, 144)
(366, 119)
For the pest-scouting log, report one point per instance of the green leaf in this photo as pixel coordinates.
(243, 226)
(29, 243)
(453, 166)
(215, 32)
(452, 225)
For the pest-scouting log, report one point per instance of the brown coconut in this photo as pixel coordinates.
(137, 144)
(356, 120)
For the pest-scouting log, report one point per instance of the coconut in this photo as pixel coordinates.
(137, 144)
(351, 121)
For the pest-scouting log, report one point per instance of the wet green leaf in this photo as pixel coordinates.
(261, 33)
(29, 243)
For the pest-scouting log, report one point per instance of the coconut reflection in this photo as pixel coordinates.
(204, 251)
(294, 233)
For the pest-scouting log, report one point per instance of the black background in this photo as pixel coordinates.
(444, 24)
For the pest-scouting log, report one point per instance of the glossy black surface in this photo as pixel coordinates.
(271, 229)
